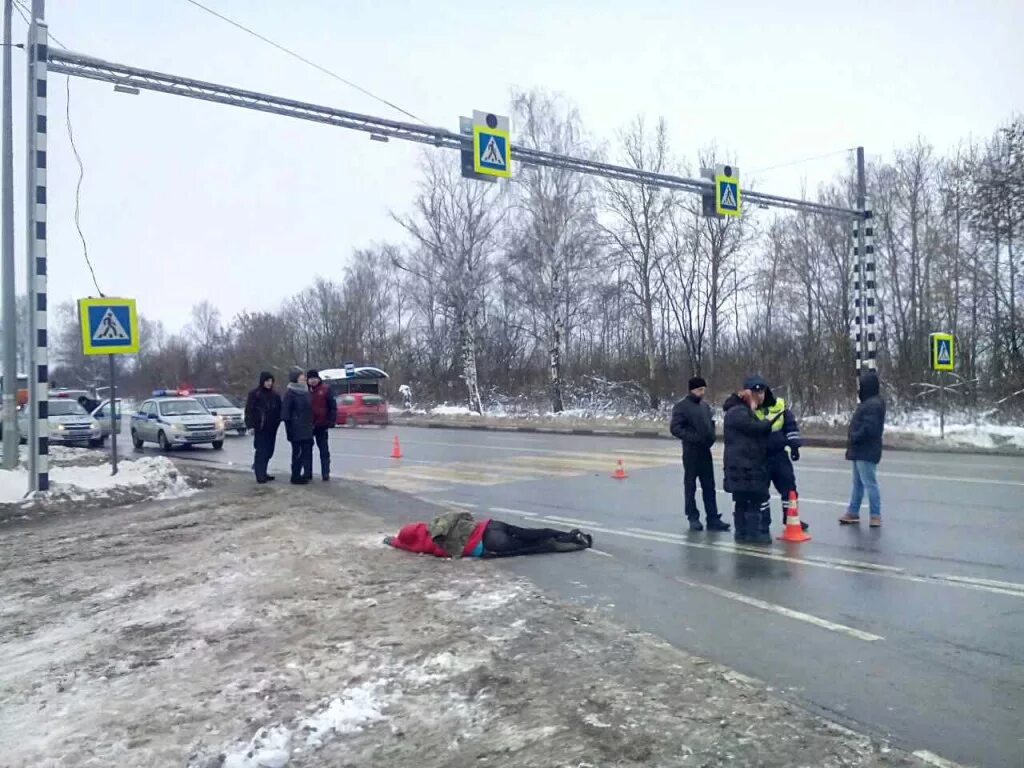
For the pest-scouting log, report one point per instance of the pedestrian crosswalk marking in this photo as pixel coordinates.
(523, 468)
(728, 196)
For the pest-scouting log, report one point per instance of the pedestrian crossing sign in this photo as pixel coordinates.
(491, 156)
(727, 191)
(109, 326)
(943, 352)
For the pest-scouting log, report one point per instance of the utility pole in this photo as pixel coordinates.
(10, 315)
(35, 251)
(862, 337)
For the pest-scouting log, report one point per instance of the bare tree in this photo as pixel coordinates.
(456, 226)
(552, 243)
(639, 220)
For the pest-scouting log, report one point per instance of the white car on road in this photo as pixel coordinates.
(70, 424)
(171, 420)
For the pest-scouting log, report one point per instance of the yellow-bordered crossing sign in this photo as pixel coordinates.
(109, 326)
(943, 351)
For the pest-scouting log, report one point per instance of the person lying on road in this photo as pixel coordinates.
(457, 534)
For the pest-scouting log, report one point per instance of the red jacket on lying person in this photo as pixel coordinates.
(415, 537)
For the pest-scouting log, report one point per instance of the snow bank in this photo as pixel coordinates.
(960, 430)
(156, 475)
(452, 410)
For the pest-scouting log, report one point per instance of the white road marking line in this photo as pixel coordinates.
(980, 582)
(462, 504)
(567, 520)
(932, 759)
(599, 552)
(508, 511)
(787, 612)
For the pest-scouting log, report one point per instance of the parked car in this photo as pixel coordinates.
(221, 405)
(361, 408)
(170, 419)
(70, 424)
(102, 416)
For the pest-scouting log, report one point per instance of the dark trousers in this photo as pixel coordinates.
(780, 468)
(322, 437)
(697, 465)
(263, 443)
(504, 540)
(302, 459)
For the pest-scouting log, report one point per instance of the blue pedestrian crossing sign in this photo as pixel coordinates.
(109, 326)
(727, 191)
(943, 352)
(492, 146)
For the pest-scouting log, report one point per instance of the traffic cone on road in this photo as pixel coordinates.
(794, 531)
(620, 471)
(396, 449)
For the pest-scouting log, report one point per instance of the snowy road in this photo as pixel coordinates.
(914, 630)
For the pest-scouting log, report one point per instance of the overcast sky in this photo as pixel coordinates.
(184, 200)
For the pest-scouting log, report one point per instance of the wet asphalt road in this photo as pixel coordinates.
(914, 630)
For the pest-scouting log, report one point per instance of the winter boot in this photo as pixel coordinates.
(718, 524)
(739, 518)
(695, 525)
(756, 533)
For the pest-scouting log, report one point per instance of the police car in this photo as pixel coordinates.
(219, 405)
(70, 424)
(172, 418)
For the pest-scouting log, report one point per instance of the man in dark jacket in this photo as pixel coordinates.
(263, 417)
(297, 415)
(864, 449)
(693, 424)
(325, 416)
(746, 461)
(785, 434)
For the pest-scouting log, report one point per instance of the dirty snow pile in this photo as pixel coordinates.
(156, 476)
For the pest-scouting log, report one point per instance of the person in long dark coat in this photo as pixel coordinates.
(297, 415)
(746, 461)
(263, 417)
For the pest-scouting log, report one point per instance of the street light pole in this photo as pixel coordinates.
(10, 315)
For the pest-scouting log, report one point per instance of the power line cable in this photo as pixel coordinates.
(304, 60)
(74, 148)
(804, 160)
(78, 186)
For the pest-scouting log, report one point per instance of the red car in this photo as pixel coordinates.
(360, 408)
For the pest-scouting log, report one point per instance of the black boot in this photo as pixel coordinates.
(739, 520)
(756, 533)
(718, 524)
(695, 524)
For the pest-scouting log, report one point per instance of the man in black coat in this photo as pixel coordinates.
(297, 415)
(746, 461)
(263, 417)
(864, 449)
(694, 425)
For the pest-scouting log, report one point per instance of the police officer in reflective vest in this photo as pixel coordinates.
(785, 433)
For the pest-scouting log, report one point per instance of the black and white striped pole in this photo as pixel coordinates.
(864, 284)
(35, 247)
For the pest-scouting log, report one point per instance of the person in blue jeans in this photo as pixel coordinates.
(864, 449)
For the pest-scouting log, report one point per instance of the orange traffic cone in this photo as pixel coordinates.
(794, 531)
(396, 449)
(620, 471)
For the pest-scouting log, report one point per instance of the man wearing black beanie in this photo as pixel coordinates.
(694, 425)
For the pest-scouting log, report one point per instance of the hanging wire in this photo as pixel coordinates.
(804, 160)
(78, 186)
(23, 11)
(304, 60)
